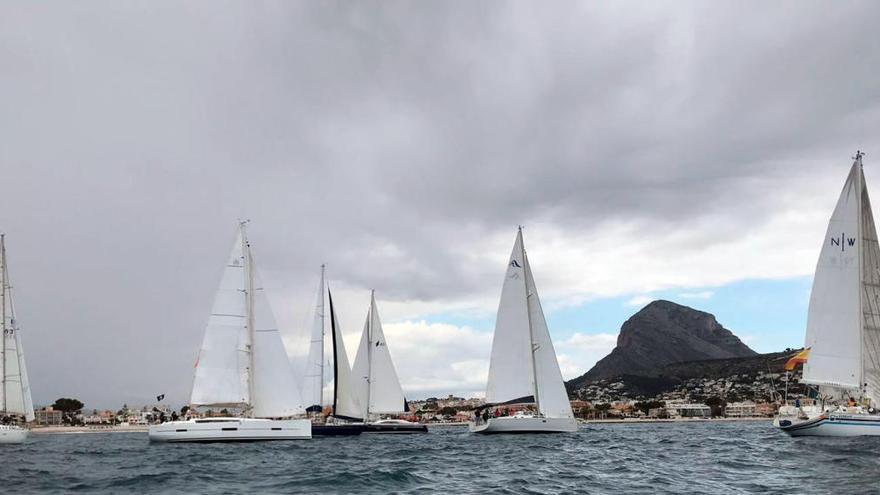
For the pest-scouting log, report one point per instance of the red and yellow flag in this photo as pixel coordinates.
(798, 358)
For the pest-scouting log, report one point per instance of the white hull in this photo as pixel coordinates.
(231, 430)
(830, 425)
(516, 424)
(12, 434)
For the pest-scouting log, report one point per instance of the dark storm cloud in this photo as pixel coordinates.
(383, 137)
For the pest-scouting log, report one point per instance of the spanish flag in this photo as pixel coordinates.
(798, 358)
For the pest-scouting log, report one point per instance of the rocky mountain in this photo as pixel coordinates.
(663, 333)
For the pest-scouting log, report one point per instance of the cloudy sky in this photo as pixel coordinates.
(691, 151)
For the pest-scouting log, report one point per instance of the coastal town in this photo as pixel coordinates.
(433, 410)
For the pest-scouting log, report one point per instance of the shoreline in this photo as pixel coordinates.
(49, 430)
(70, 430)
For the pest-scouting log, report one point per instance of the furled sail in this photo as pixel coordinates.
(377, 387)
(834, 318)
(313, 382)
(523, 361)
(345, 404)
(15, 392)
(221, 372)
(276, 393)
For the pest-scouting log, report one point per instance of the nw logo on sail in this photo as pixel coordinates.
(514, 264)
(843, 241)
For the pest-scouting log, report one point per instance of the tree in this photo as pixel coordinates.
(67, 405)
(447, 411)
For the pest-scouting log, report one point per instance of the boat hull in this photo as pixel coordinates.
(12, 434)
(831, 425)
(512, 424)
(231, 430)
(401, 427)
(336, 430)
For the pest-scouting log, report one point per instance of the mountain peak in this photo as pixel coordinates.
(665, 332)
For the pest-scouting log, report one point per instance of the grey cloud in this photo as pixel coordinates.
(382, 137)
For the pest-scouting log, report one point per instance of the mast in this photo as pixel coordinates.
(370, 353)
(859, 188)
(249, 311)
(532, 345)
(335, 359)
(3, 289)
(323, 329)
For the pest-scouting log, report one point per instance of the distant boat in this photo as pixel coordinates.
(523, 364)
(376, 389)
(15, 391)
(842, 353)
(242, 365)
(317, 367)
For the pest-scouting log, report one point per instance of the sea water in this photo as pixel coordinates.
(695, 457)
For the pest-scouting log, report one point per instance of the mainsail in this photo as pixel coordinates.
(523, 362)
(242, 362)
(377, 387)
(15, 392)
(313, 378)
(843, 321)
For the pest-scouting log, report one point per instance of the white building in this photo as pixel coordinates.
(740, 410)
(681, 409)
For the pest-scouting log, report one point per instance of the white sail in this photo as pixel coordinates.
(379, 390)
(834, 317)
(345, 402)
(15, 392)
(523, 361)
(275, 391)
(552, 396)
(510, 365)
(221, 372)
(870, 298)
(360, 374)
(313, 383)
(386, 395)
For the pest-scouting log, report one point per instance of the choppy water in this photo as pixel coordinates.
(745, 457)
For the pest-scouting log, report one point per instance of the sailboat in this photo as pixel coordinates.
(523, 366)
(376, 389)
(15, 392)
(842, 354)
(317, 368)
(242, 365)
